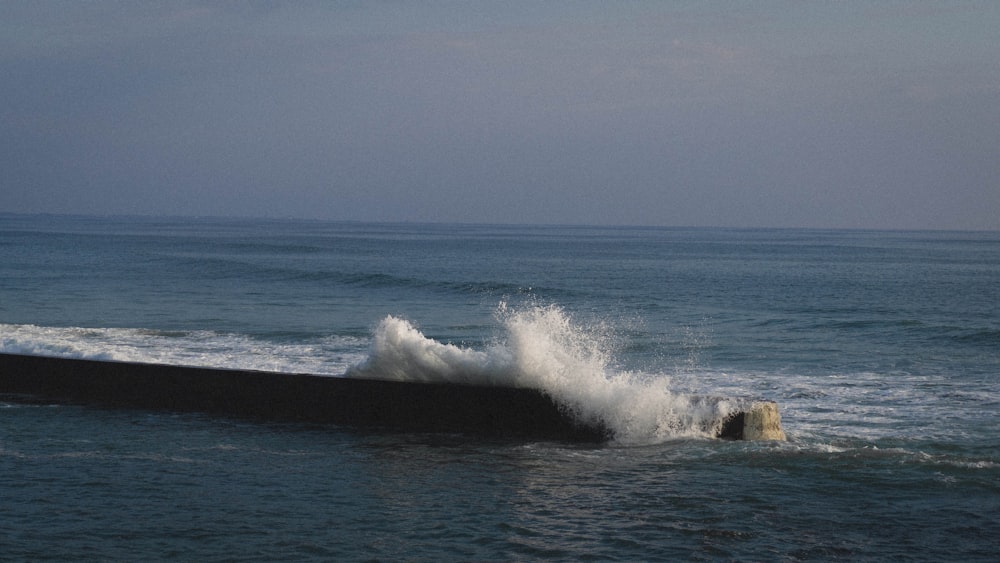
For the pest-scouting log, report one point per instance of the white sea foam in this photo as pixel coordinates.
(326, 356)
(542, 347)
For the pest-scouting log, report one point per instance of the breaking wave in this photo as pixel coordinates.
(544, 348)
(540, 347)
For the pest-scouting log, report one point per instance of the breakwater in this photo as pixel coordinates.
(494, 411)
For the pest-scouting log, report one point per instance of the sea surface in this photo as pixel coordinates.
(882, 350)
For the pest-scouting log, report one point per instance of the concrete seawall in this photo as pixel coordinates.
(392, 405)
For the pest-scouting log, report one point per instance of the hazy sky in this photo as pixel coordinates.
(773, 114)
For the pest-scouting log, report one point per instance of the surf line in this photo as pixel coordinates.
(421, 407)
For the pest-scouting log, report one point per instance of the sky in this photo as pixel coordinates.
(875, 115)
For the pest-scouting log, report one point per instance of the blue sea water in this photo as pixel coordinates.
(881, 348)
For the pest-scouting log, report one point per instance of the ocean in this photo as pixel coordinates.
(881, 348)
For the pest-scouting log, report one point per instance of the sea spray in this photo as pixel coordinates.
(401, 352)
(543, 347)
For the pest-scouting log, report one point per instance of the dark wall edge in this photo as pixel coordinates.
(391, 405)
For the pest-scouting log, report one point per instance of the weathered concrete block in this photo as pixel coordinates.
(760, 421)
(763, 422)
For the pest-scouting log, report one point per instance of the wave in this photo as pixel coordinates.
(227, 268)
(985, 337)
(544, 348)
(535, 346)
(329, 355)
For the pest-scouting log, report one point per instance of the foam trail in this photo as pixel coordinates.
(542, 347)
(323, 355)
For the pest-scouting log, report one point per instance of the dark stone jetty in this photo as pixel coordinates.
(501, 412)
